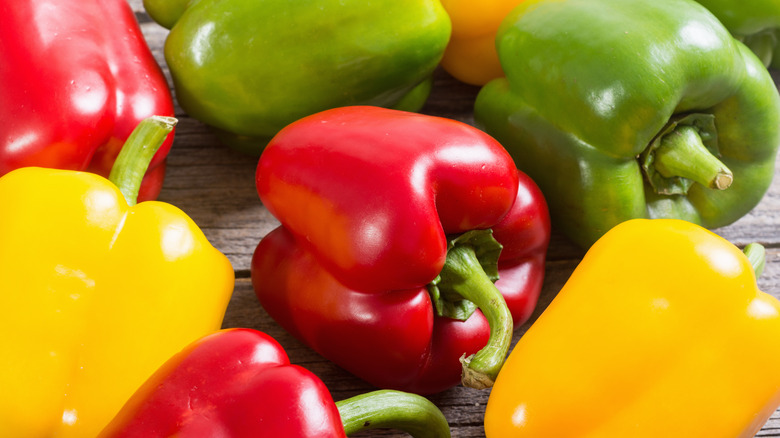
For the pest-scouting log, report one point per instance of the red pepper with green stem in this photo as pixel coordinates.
(385, 249)
(77, 77)
(240, 383)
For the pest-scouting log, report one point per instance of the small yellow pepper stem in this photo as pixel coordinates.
(136, 154)
(756, 254)
(683, 154)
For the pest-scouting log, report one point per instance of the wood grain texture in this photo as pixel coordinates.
(215, 186)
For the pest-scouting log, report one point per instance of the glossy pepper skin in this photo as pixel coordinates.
(240, 383)
(471, 55)
(674, 340)
(248, 68)
(755, 22)
(656, 126)
(77, 78)
(96, 295)
(367, 198)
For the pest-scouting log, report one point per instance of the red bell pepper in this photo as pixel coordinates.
(76, 77)
(367, 199)
(240, 383)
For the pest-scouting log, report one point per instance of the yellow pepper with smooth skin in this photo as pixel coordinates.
(661, 331)
(471, 55)
(95, 295)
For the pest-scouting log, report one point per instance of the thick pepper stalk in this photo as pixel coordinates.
(95, 293)
(641, 109)
(673, 340)
(385, 246)
(239, 383)
(77, 77)
(248, 68)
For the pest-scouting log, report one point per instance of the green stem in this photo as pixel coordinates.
(136, 154)
(682, 154)
(756, 254)
(464, 275)
(389, 409)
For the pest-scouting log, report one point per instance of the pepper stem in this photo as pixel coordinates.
(390, 409)
(136, 154)
(683, 154)
(756, 254)
(463, 274)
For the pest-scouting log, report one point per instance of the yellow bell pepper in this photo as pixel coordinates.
(95, 295)
(661, 331)
(471, 55)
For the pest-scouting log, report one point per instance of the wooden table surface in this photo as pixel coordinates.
(215, 187)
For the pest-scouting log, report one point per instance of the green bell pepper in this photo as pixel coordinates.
(640, 109)
(754, 22)
(250, 67)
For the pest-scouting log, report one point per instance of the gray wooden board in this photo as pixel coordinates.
(215, 186)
